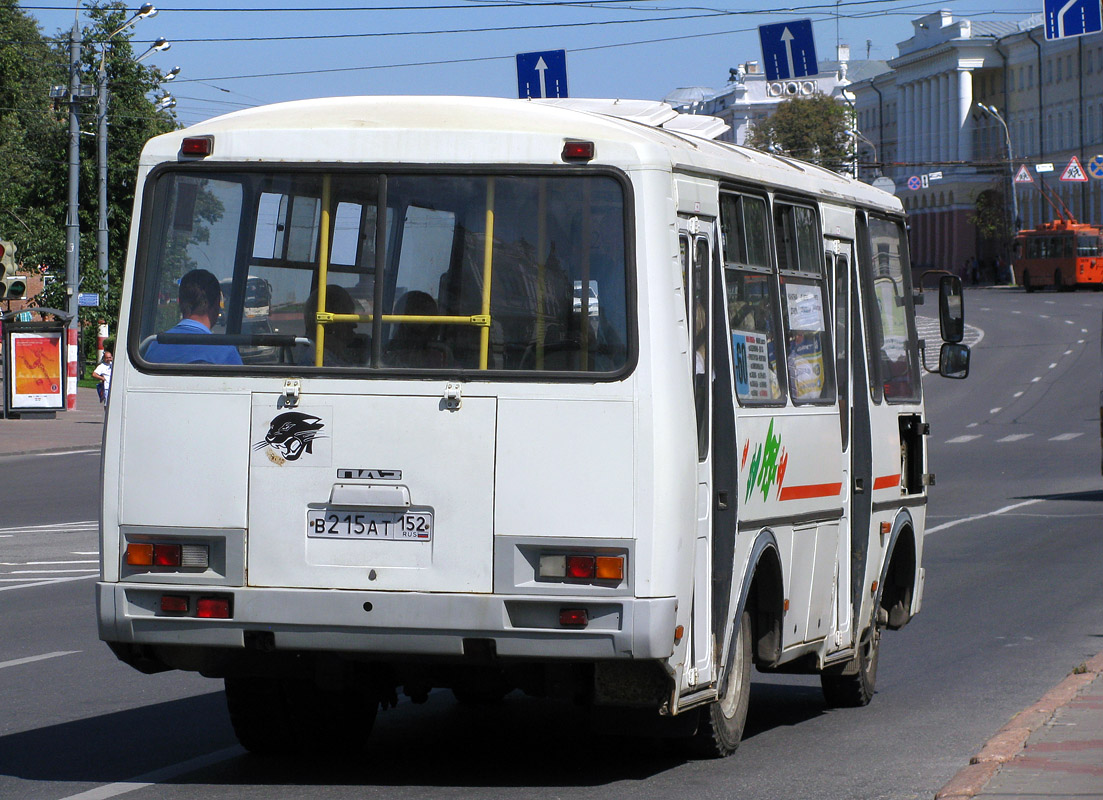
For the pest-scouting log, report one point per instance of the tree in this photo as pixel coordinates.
(34, 145)
(812, 129)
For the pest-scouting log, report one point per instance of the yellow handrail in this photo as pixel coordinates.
(323, 273)
(488, 261)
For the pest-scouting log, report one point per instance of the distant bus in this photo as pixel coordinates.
(1063, 254)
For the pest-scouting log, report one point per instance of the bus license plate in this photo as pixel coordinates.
(411, 526)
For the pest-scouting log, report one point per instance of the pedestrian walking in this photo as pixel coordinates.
(102, 374)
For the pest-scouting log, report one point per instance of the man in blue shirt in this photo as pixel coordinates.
(200, 302)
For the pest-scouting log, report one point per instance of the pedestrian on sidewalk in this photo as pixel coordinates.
(102, 374)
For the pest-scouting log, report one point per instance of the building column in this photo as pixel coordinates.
(951, 115)
(944, 117)
(964, 121)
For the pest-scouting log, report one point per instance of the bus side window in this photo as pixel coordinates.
(751, 293)
(809, 355)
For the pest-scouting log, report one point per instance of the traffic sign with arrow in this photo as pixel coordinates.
(542, 74)
(788, 49)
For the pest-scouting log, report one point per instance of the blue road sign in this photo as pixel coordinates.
(1065, 18)
(542, 74)
(788, 49)
(88, 299)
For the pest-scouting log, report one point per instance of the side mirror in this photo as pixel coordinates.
(951, 309)
(953, 361)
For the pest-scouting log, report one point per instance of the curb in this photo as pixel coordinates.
(1010, 740)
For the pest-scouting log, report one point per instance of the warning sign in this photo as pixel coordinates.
(1074, 171)
(1023, 175)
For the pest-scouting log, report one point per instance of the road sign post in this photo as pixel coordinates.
(788, 50)
(542, 74)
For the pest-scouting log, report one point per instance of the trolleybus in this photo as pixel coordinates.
(447, 466)
(1063, 254)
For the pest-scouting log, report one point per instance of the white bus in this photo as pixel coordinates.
(446, 466)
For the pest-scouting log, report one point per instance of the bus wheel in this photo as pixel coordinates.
(1057, 285)
(284, 716)
(1026, 282)
(720, 727)
(851, 685)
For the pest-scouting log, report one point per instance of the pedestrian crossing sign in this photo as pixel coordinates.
(1074, 171)
(1023, 175)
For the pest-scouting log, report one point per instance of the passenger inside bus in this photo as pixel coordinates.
(417, 344)
(200, 301)
(343, 346)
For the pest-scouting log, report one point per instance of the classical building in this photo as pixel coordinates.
(749, 97)
(923, 126)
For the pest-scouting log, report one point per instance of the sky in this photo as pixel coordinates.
(236, 54)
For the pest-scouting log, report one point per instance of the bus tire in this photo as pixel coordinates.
(284, 716)
(720, 727)
(1026, 282)
(852, 684)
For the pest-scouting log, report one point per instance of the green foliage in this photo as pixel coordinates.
(991, 218)
(809, 128)
(34, 142)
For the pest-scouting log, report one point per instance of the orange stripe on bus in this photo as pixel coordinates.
(886, 482)
(811, 491)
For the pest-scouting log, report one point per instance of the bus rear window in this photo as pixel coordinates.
(522, 273)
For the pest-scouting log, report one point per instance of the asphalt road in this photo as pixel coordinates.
(1013, 603)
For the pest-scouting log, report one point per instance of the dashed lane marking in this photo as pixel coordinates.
(1015, 437)
(963, 439)
(995, 513)
(31, 659)
(158, 776)
(1064, 437)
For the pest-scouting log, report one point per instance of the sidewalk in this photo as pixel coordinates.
(1053, 749)
(79, 429)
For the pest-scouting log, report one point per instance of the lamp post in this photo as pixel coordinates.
(144, 12)
(993, 112)
(859, 136)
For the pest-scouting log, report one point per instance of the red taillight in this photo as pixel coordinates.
(578, 151)
(167, 555)
(574, 617)
(213, 608)
(174, 604)
(580, 566)
(197, 146)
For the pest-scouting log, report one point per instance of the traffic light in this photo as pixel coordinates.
(12, 286)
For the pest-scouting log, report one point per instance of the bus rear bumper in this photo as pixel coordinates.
(402, 624)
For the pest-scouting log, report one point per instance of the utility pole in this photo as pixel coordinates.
(72, 221)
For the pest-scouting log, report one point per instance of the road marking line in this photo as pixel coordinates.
(1044, 316)
(1018, 394)
(158, 776)
(85, 552)
(972, 425)
(84, 524)
(47, 582)
(1053, 365)
(995, 513)
(963, 439)
(31, 659)
(1067, 353)
(1064, 437)
(47, 571)
(1015, 437)
(43, 563)
(1035, 380)
(995, 410)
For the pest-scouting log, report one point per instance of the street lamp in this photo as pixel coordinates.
(859, 136)
(992, 111)
(145, 12)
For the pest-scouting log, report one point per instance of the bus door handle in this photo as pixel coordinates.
(859, 486)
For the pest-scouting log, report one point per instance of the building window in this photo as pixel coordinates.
(1029, 76)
